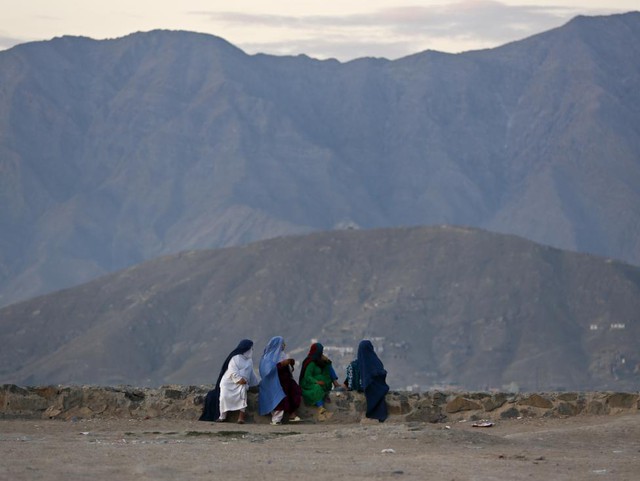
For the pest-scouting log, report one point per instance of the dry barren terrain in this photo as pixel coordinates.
(577, 448)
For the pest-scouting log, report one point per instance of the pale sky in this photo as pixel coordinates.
(344, 29)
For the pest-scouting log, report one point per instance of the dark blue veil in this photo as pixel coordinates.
(374, 381)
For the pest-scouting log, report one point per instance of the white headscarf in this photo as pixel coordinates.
(241, 365)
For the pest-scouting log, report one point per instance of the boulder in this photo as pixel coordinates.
(494, 402)
(622, 400)
(460, 403)
(568, 396)
(596, 407)
(47, 392)
(424, 410)
(52, 412)
(438, 398)
(30, 404)
(511, 413)
(398, 404)
(174, 394)
(536, 401)
(566, 409)
(71, 397)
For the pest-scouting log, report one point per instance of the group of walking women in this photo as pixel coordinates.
(279, 394)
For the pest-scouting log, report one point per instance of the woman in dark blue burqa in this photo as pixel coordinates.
(374, 381)
(211, 409)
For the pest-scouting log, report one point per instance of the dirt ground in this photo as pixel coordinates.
(577, 448)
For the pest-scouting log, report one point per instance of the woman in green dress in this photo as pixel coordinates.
(317, 377)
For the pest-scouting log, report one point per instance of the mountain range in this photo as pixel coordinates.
(445, 307)
(117, 151)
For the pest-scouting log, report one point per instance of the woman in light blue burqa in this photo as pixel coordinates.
(279, 393)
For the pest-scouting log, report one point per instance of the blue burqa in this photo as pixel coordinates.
(271, 392)
(374, 381)
(211, 408)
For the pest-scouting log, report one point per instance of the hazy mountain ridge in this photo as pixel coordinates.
(117, 151)
(444, 305)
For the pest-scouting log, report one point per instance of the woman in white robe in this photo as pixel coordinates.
(235, 384)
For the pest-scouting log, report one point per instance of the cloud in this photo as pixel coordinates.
(7, 42)
(403, 30)
(484, 20)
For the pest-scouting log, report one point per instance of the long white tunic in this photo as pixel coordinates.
(233, 396)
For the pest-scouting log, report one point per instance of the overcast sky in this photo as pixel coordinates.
(343, 29)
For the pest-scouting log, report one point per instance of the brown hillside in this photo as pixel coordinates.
(443, 305)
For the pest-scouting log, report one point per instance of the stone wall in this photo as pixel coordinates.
(185, 402)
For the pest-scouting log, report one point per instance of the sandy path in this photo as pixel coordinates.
(578, 448)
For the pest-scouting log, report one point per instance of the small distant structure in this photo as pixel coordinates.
(346, 224)
(343, 351)
(340, 350)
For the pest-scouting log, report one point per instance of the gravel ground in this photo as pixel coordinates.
(576, 448)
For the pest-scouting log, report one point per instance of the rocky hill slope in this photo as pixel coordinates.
(114, 152)
(444, 306)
